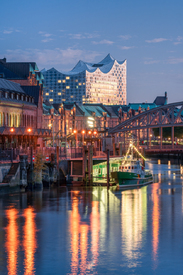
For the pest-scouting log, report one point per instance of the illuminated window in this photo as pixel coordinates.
(63, 81)
(67, 77)
(67, 87)
(76, 87)
(63, 99)
(72, 96)
(47, 94)
(51, 99)
(51, 91)
(59, 93)
(83, 83)
(76, 80)
(79, 84)
(59, 81)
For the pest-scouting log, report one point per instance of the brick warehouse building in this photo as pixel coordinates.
(21, 105)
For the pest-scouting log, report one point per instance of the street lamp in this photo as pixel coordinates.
(83, 135)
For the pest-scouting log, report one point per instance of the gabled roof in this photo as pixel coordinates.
(32, 91)
(160, 100)
(135, 106)
(10, 86)
(22, 69)
(6, 73)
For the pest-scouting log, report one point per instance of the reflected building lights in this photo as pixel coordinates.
(29, 241)
(155, 220)
(133, 219)
(95, 227)
(12, 241)
(80, 237)
(75, 221)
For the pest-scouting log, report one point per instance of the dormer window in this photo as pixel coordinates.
(26, 98)
(29, 99)
(12, 96)
(32, 100)
(6, 95)
(17, 97)
(22, 97)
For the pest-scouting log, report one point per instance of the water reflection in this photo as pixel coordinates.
(74, 227)
(133, 220)
(155, 219)
(84, 238)
(29, 241)
(12, 241)
(95, 228)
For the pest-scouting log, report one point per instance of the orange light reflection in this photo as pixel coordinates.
(75, 220)
(29, 241)
(80, 237)
(95, 227)
(12, 241)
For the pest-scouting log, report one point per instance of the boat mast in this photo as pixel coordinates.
(132, 147)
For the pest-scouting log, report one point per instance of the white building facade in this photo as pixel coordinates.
(103, 82)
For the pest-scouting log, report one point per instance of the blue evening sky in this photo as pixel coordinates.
(59, 33)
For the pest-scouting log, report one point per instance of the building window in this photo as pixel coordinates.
(6, 95)
(67, 77)
(17, 97)
(51, 99)
(67, 87)
(59, 81)
(63, 81)
(59, 93)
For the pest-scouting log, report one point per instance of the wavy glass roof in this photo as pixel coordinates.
(105, 65)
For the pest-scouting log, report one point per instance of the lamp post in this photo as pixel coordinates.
(83, 136)
(52, 122)
(150, 140)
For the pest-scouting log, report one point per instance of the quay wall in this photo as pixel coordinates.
(4, 169)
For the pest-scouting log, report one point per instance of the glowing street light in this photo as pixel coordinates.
(29, 130)
(12, 130)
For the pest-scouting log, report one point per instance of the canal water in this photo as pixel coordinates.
(92, 231)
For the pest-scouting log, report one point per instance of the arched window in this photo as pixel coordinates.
(0, 119)
(7, 121)
(25, 120)
(18, 120)
(13, 121)
(3, 124)
(10, 121)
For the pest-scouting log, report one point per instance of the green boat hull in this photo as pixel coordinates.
(126, 179)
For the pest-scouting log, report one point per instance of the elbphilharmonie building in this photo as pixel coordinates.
(103, 82)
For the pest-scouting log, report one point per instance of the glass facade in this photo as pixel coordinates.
(94, 83)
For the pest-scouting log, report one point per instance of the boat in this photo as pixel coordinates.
(131, 171)
(126, 172)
